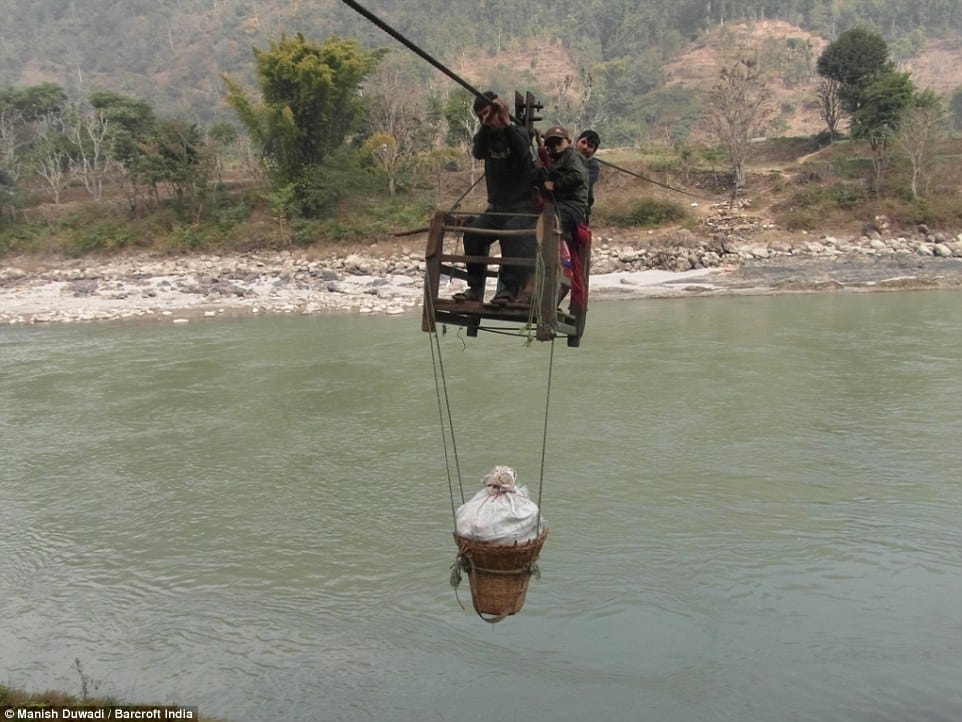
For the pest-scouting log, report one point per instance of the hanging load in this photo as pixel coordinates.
(499, 533)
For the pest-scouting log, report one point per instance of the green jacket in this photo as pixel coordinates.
(570, 182)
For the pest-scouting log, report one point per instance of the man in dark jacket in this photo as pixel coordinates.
(511, 181)
(567, 180)
(567, 185)
(587, 144)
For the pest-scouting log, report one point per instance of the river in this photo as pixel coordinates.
(754, 506)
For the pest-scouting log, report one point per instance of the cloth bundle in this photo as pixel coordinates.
(501, 513)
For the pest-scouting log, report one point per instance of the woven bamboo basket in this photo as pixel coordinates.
(499, 574)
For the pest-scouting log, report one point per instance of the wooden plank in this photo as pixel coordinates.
(548, 238)
(432, 270)
(489, 260)
(548, 322)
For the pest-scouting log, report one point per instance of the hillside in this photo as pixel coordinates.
(790, 51)
(174, 54)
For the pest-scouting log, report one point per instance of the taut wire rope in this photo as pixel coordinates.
(444, 407)
(544, 437)
(446, 417)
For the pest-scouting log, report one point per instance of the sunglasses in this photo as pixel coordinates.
(551, 142)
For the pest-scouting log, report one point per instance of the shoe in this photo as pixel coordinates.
(469, 294)
(502, 298)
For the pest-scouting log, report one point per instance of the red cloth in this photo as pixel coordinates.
(577, 249)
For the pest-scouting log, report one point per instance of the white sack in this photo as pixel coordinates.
(501, 512)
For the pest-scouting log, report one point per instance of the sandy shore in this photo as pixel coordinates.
(179, 289)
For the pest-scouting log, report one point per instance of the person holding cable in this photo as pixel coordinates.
(511, 182)
(566, 180)
(566, 183)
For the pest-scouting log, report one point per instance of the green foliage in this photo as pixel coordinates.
(105, 235)
(223, 133)
(648, 212)
(175, 156)
(883, 102)
(855, 59)
(821, 203)
(845, 195)
(130, 122)
(459, 117)
(309, 105)
(321, 188)
(34, 102)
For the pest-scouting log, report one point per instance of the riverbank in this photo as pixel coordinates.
(375, 280)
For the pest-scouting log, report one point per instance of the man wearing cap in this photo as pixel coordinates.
(567, 185)
(511, 181)
(567, 180)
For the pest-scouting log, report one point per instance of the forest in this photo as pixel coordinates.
(173, 53)
(159, 105)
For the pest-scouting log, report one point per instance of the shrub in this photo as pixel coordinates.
(648, 212)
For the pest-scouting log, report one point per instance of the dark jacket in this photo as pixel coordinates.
(570, 182)
(508, 166)
(593, 166)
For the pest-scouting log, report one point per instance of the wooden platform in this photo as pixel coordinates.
(542, 316)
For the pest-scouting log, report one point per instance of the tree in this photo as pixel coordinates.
(829, 106)
(855, 59)
(310, 104)
(739, 109)
(460, 118)
(28, 117)
(130, 123)
(395, 119)
(877, 119)
(35, 102)
(921, 126)
(175, 157)
(221, 137)
(91, 157)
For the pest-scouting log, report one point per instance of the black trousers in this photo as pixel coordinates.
(523, 246)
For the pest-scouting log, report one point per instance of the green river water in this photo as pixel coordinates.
(754, 507)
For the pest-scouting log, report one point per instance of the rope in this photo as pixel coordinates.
(544, 438)
(444, 404)
(652, 180)
(465, 194)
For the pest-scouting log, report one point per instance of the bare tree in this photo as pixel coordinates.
(52, 167)
(740, 107)
(394, 118)
(90, 136)
(921, 126)
(569, 103)
(829, 106)
(9, 142)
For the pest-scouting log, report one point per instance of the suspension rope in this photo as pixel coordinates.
(440, 381)
(444, 407)
(415, 49)
(465, 194)
(544, 437)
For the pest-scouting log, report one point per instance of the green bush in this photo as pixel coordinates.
(836, 195)
(107, 236)
(648, 212)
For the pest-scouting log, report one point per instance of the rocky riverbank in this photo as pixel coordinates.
(739, 255)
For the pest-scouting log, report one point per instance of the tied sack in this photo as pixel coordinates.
(501, 513)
